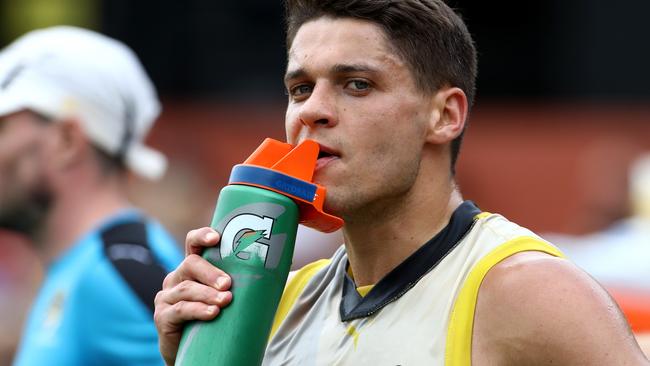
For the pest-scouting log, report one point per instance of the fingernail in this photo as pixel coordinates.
(221, 296)
(211, 236)
(211, 309)
(222, 282)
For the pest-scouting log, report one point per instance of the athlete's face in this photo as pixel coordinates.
(24, 193)
(353, 94)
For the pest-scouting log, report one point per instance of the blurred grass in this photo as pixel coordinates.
(20, 16)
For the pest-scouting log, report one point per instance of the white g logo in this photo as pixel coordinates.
(241, 235)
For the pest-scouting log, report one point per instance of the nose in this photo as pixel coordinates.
(319, 109)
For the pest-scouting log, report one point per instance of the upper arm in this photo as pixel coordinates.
(536, 309)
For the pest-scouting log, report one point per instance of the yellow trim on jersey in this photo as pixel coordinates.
(363, 290)
(458, 350)
(293, 289)
(482, 215)
(352, 332)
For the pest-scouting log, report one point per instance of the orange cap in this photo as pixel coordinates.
(292, 170)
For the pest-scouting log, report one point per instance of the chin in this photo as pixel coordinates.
(341, 206)
(332, 204)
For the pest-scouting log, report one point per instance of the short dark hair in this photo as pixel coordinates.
(427, 34)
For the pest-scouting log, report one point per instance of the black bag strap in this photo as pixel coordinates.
(127, 248)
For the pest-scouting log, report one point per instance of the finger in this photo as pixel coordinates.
(194, 292)
(197, 240)
(170, 321)
(197, 269)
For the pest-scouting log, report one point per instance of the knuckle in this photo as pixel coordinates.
(158, 299)
(190, 236)
(168, 280)
(191, 262)
(157, 317)
(192, 259)
(161, 317)
(184, 287)
(179, 308)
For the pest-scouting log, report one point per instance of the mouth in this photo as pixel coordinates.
(325, 156)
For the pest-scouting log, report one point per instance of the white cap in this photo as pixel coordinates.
(67, 72)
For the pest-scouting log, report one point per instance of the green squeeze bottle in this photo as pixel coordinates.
(257, 215)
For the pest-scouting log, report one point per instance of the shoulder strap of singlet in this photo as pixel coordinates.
(458, 349)
(127, 248)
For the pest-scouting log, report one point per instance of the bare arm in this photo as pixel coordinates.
(534, 309)
(196, 290)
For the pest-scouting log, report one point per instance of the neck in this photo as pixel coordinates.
(379, 242)
(77, 209)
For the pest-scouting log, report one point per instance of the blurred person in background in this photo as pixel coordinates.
(618, 253)
(424, 277)
(75, 107)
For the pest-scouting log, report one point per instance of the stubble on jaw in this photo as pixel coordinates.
(25, 212)
(359, 203)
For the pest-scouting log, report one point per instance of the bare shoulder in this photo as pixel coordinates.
(534, 308)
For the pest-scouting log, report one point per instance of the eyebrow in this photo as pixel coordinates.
(336, 69)
(343, 69)
(294, 74)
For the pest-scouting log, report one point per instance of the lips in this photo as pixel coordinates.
(325, 156)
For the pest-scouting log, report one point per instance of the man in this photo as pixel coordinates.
(424, 278)
(74, 109)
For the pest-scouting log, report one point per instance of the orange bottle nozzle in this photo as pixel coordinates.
(268, 153)
(289, 170)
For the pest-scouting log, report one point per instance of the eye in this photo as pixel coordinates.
(358, 85)
(300, 90)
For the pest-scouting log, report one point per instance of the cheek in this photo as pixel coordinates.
(396, 130)
(396, 139)
(36, 161)
(30, 167)
(18, 173)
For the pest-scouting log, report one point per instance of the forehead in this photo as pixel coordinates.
(328, 41)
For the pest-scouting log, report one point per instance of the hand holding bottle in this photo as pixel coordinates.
(196, 290)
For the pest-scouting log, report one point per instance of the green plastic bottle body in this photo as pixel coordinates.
(258, 231)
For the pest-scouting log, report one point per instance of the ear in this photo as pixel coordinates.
(72, 145)
(448, 115)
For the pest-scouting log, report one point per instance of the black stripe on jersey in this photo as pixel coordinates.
(408, 273)
(127, 248)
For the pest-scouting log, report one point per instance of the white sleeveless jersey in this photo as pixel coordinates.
(419, 314)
